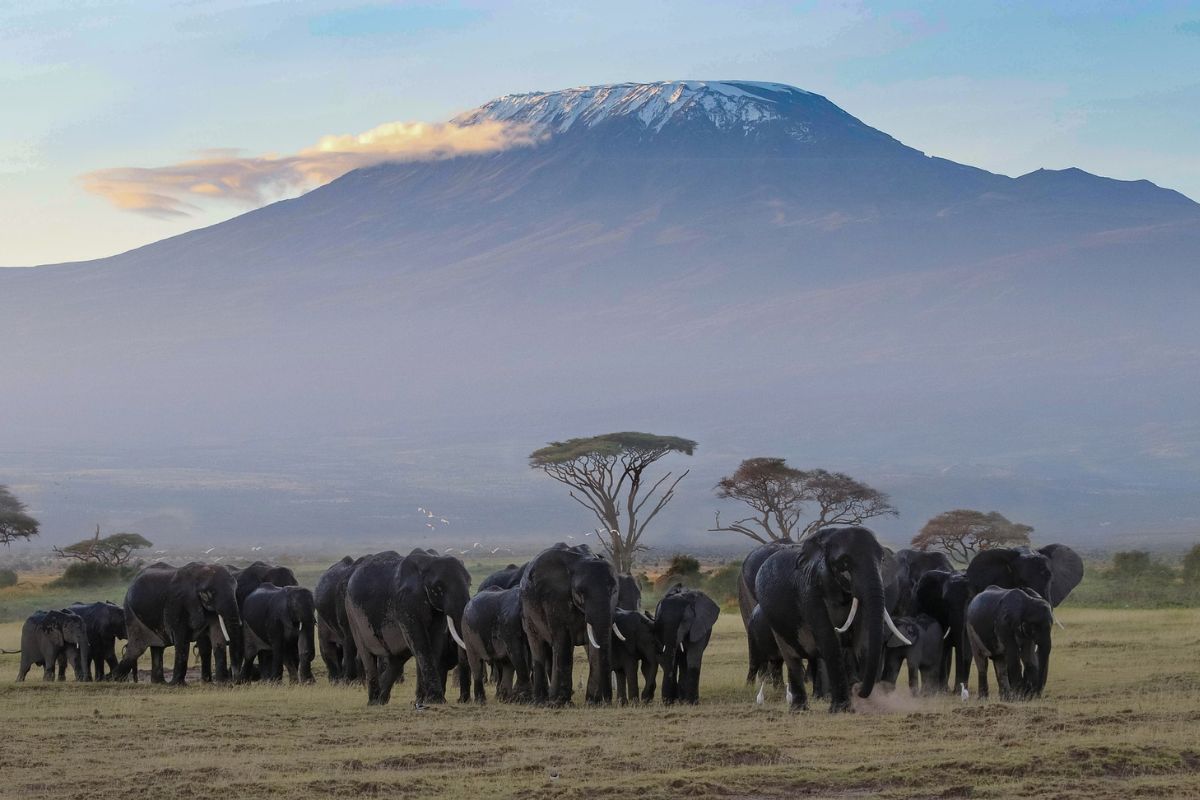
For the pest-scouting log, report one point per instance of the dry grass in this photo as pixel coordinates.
(1121, 719)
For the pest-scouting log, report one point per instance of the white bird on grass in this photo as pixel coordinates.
(209, 550)
(963, 693)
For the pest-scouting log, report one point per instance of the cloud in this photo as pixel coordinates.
(173, 190)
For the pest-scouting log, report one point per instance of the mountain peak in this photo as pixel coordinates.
(726, 105)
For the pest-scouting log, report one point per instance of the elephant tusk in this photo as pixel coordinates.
(681, 648)
(850, 618)
(762, 690)
(592, 636)
(617, 632)
(892, 627)
(454, 634)
(946, 635)
(1054, 617)
(224, 630)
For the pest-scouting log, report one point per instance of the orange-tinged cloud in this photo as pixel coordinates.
(167, 191)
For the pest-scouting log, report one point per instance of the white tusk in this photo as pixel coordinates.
(224, 630)
(617, 632)
(850, 618)
(892, 626)
(946, 635)
(762, 690)
(592, 636)
(681, 648)
(454, 634)
(1056, 622)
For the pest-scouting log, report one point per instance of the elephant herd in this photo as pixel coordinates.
(840, 610)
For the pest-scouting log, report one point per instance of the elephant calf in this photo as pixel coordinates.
(1012, 628)
(683, 622)
(635, 646)
(923, 655)
(104, 624)
(494, 637)
(279, 620)
(51, 638)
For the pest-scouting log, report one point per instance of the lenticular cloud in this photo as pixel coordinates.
(173, 190)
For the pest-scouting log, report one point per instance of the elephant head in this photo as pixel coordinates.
(1023, 624)
(209, 593)
(444, 582)
(1053, 571)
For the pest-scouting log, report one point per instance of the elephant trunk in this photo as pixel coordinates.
(1043, 664)
(598, 620)
(230, 622)
(869, 587)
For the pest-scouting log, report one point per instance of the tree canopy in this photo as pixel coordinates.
(606, 476)
(963, 532)
(14, 522)
(110, 551)
(778, 495)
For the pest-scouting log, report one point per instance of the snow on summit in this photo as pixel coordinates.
(729, 105)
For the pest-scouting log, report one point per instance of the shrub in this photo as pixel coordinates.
(86, 573)
(8, 578)
(1191, 566)
(682, 569)
(722, 583)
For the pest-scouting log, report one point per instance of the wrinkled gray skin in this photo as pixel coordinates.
(1052, 571)
(641, 649)
(279, 622)
(399, 607)
(911, 566)
(174, 606)
(923, 656)
(1011, 628)
(494, 636)
(806, 593)
(629, 594)
(564, 590)
(683, 623)
(766, 662)
(52, 638)
(506, 578)
(760, 657)
(333, 629)
(945, 596)
(104, 623)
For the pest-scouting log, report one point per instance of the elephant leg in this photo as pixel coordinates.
(249, 653)
(370, 674)
(962, 658)
(518, 674)
(619, 676)
(204, 654)
(182, 641)
(943, 674)
(61, 661)
(670, 684)
(331, 657)
(816, 674)
(539, 655)
(221, 671)
(829, 645)
(631, 681)
(981, 662)
(157, 673)
(1008, 673)
(910, 664)
(479, 669)
(649, 679)
(352, 667)
(48, 670)
(562, 670)
(795, 682)
(26, 664)
(387, 679)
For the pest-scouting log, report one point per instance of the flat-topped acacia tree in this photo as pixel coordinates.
(607, 476)
(14, 522)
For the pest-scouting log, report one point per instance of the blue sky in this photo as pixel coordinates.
(1112, 87)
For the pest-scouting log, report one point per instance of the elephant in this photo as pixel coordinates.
(279, 620)
(766, 662)
(911, 565)
(248, 579)
(811, 597)
(747, 603)
(405, 606)
(636, 647)
(104, 623)
(251, 577)
(492, 631)
(944, 595)
(1052, 571)
(1012, 628)
(568, 596)
(50, 639)
(174, 606)
(924, 655)
(505, 578)
(683, 622)
(333, 629)
(629, 594)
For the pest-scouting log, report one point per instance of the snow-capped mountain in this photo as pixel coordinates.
(741, 263)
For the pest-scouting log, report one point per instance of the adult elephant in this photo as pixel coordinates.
(812, 597)
(279, 621)
(506, 578)
(1011, 627)
(629, 594)
(399, 607)
(248, 579)
(911, 566)
(683, 622)
(494, 637)
(944, 595)
(52, 638)
(334, 637)
(568, 597)
(104, 623)
(748, 601)
(1052, 571)
(175, 606)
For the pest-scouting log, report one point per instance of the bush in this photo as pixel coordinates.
(682, 569)
(722, 583)
(8, 578)
(88, 573)
(1191, 566)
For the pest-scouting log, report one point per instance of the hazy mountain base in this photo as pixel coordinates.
(1118, 720)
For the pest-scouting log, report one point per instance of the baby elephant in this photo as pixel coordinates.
(49, 639)
(683, 622)
(280, 620)
(634, 645)
(1012, 628)
(924, 655)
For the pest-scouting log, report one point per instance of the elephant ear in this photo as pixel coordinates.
(992, 567)
(1067, 568)
(706, 613)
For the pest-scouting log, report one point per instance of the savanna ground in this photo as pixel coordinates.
(1121, 718)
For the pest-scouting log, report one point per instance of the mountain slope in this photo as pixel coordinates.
(741, 263)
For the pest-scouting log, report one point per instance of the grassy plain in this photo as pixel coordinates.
(1121, 718)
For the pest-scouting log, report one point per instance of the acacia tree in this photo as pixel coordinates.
(14, 522)
(607, 476)
(111, 551)
(778, 495)
(963, 533)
